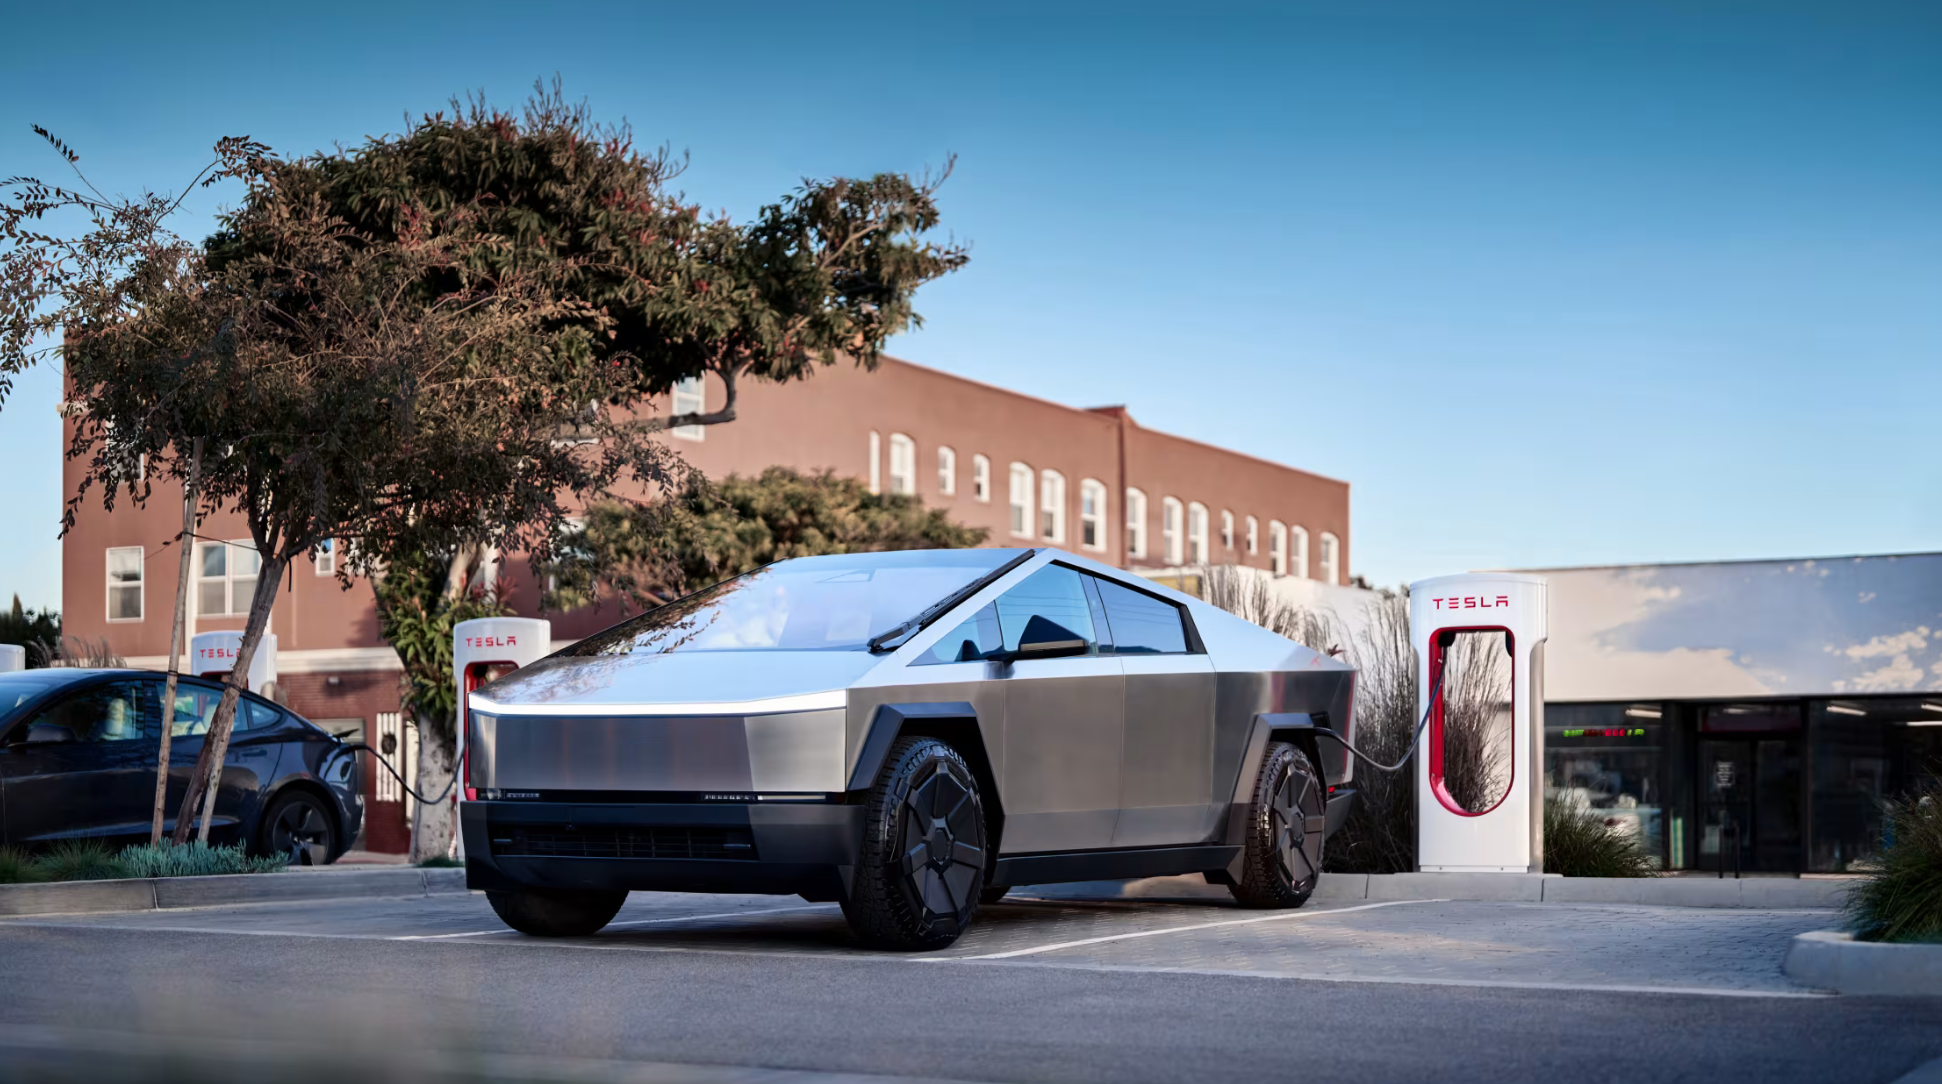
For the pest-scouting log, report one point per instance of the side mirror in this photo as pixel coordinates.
(49, 732)
(1045, 638)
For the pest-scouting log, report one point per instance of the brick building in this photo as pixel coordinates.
(1031, 471)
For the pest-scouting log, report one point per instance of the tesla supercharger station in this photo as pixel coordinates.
(213, 655)
(1482, 637)
(12, 657)
(485, 650)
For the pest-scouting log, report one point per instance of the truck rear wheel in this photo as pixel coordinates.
(1282, 859)
(550, 912)
(923, 860)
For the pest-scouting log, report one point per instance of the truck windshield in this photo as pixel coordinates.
(838, 602)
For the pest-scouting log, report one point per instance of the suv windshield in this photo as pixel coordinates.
(838, 602)
(19, 686)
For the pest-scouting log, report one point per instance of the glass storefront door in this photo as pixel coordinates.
(1749, 803)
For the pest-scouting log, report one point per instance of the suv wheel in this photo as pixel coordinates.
(923, 861)
(1283, 854)
(550, 912)
(298, 820)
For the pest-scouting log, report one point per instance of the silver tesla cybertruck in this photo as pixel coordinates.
(908, 734)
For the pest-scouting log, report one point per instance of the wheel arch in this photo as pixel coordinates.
(955, 722)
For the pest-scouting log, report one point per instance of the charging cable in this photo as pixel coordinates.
(364, 747)
(1436, 691)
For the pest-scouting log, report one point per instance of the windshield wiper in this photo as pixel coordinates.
(895, 638)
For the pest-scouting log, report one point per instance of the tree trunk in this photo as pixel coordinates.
(436, 825)
(207, 780)
(178, 632)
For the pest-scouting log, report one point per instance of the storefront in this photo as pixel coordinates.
(1749, 715)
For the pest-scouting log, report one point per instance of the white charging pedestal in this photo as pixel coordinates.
(213, 655)
(1507, 837)
(12, 657)
(484, 650)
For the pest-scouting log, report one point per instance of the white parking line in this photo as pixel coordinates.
(1279, 917)
(630, 922)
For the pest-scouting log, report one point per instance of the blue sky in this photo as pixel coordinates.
(1547, 284)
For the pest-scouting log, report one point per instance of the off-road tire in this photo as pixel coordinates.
(1282, 859)
(922, 866)
(552, 912)
(993, 893)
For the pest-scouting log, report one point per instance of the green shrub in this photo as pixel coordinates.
(1578, 843)
(194, 859)
(1902, 899)
(78, 860)
(16, 868)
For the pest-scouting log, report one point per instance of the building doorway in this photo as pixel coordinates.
(1750, 788)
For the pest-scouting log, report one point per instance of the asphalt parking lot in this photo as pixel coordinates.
(1040, 989)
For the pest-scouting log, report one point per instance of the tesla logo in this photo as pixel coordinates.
(216, 652)
(492, 641)
(1472, 602)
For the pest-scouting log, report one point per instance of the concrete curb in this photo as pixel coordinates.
(1833, 960)
(1767, 893)
(163, 893)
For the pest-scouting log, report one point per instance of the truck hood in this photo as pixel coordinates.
(682, 682)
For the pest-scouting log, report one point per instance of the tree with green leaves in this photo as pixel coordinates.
(29, 628)
(434, 344)
(710, 530)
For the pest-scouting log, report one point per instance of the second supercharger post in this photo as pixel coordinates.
(484, 650)
(1507, 837)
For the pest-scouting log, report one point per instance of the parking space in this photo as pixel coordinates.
(1609, 947)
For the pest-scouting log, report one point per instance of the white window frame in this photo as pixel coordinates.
(1196, 533)
(903, 465)
(689, 396)
(876, 462)
(1331, 559)
(139, 582)
(1135, 523)
(228, 578)
(1051, 506)
(1253, 536)
(323, 556)
(947, 470)
(1092, 514)
(1277, 548)
(1173, 530)
(1298, 552)
(981, 478)
(1226, 530)
(1021, 493)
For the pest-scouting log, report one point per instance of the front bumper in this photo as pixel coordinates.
(806, 848)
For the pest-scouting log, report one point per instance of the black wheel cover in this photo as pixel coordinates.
(299, 818)
(1295, 852)
(941, 844)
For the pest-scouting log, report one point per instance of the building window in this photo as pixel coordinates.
(1172, 530)
(690, 397)
(226, 577)
(1253, 536)
(947, 472)
(125, 583)
(1298, 552)
(1051, 506)
(324, 556)
(1092, 514)
(876, 462)
(903, 464)
(1135, 523)
(1197, 533)
(981, 479)
(1226, 529)
(1331, 559)
(1277, 548)
(1021, 500)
